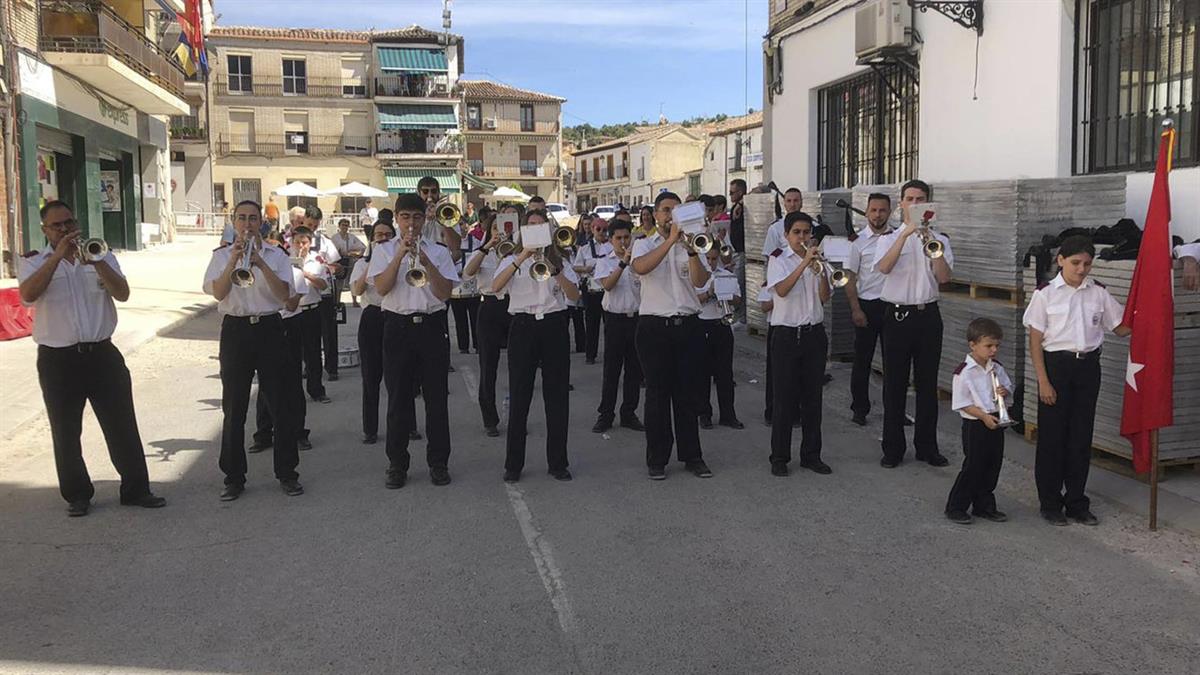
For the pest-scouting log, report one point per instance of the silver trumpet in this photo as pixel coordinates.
(416, 275)
(930, 245)
(1001, 409)
(699, 242)
(725, 251)
(243, 274)
(506, 248)
(727, 316)
(93, 250)
(564, 237)
(540, 269)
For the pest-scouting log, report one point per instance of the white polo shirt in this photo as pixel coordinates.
(667, 290)
(312, 294)
(587, 257)
(710, 309)
(802, 305)
(404, 299)
(911, 281)
(539, 298)
(75, 306)
(861, 261)
(301, 288)
(486, 274)
(626, 296)
(371, 297)
(347, 244)
(1072, 319)
(972, 386)
(256, 300)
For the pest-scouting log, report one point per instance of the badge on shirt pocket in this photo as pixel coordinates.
(1096, 319)
(684, 272)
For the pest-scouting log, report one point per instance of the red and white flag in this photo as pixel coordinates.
(1150, 312)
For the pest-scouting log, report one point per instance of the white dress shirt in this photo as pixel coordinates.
(75, 306)
(347, 244)
(802, 305)
(486, 273)
(325, 247)
(371, 297)
(1188, 251)
(861, 261)
(587, 257)
(300, 284)
(312, 294)
(972, 386)
(539, 298)
(404, 299)
(667, 290)
(710, 309)
(1072, 319)
(764, 295)
(775, 238)
(626, 296)
(257, 299)
(911, 281)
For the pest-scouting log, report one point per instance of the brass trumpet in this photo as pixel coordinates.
(564, 237)
(930, 245)
(243, 274)
(725, 251)
(447, 215)
(540, 269)
(698, 242)
(506, 248)
(416, 275)
(93, 250)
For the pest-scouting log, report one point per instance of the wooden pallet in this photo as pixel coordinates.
(1012, 295)
(1120, 461)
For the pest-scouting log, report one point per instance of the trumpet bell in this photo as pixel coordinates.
(93, 250)
(934, 249)
(728, 320)
(243, 277)
(505, 248)
(564, 237)
(448, 215)
(839, 278)
(540, 271)
(700, 243)
(416, 278)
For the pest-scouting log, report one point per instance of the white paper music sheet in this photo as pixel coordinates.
(725, 287)
(690, 217)
(535, 236)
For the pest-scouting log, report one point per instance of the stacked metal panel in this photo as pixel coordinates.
(755, 273)
(958, 311)
(760, 213)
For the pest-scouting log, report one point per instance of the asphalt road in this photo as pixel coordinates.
(856, 572)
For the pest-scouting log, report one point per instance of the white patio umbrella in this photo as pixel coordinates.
(297, 189)
(507, 194)
(356, 189)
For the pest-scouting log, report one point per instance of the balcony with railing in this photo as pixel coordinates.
(527, 168)
(417, 142)
(314, 87)
(294, 143)
(187, 128)
(414, 85)
(87, 39)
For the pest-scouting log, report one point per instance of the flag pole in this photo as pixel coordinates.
(1154, 480)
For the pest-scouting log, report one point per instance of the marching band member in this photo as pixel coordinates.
(327, 254)
(717, 365)
(670, 341)
(798, 345)
(493, 320)
(251, 332)
(370, 333)
(912, 328)
(317, 282)
(622, 295)
(350, 250)
(414, 281)
(74, 319)
(430, 190)
(537, 339)
(866, 308)
(776, 237)
(593, 293)
(464, 300)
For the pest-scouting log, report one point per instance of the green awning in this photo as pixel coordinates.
(402, 181)
(417, 117)
(418, 60)
(478, 182)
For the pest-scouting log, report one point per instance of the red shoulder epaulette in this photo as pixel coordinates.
(29, 254)
(776, 252)
(960, 367)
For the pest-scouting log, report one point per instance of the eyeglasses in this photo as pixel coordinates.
(68, 224)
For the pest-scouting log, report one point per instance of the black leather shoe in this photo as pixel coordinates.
(859, 419)
(415, 435)
(994, 516)
(888, 463)
(146, 501)
(439, 475)
(322, 399)
(570, 387)
(492, 432)
(332, 377)
(817, 466)
(706, 423)
(452, 370)
(732, 424)
(259, 446)
(1085, 518)
(658, 473)
(699, 469)
(560, 474)
(1054, 518)
(370, 439)
(511, 476)
(959, 517)
(779, 469)
(291, 487)
(303, 444)
(79, 509)
(395, 479)
(232, 492)
(633, 423)
(937, 459)
(464, 351)
(602, 425)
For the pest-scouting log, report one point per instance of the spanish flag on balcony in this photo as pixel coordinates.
(190, 52)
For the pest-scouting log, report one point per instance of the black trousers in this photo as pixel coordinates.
(593, 311)
(534, 344)
(579, 325)
(310, 346)
(620, 352)
(492, 336)
(670, 350)
(717, 369)
(769, 395)
(370, 360)
(293, 332)
(983, 453)
(249, 346)
(416, 349)
(865, 338)
(912, 343)
(465, 328)
(798, 359)
(329, 336)
(91, 373)
(1064, 444)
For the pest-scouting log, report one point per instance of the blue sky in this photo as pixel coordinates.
(614, 60)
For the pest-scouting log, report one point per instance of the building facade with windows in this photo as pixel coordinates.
(1048, 89)
(733, 150)
(632, 169)
(513, 138)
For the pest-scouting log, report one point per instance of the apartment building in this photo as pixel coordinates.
(513, 138)
(96, 85)
(733, 150)
(632, 169)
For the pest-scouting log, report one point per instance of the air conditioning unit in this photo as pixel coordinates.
(882, 27)
(489, 123)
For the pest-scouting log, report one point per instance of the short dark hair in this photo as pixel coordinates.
(248, 202)
(302, 231)
(1075, 245)
(386, 216)
(793, 189)
(616, 225)
(313, 212)
(918, 184)
(53, 204)
(385, 223)
(428, 181)
(410, 201)
(879, 195)
(538, 199)
(791, 219)
(343, 221)
(707, 200)
(984, 327)
(739, 182)
(620, 212)
(663, 196)
(720, 200)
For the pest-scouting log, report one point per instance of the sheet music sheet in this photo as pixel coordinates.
(725, 287)
(535, 236)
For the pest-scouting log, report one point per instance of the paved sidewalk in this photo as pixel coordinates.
(164, 292)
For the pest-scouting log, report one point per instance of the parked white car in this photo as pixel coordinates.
(606, 211)
(557, 211)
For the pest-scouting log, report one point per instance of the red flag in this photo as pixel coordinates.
(1150, 312)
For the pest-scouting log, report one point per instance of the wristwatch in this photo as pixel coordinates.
(622, 264)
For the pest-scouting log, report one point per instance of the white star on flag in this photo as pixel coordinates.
(1131, 371)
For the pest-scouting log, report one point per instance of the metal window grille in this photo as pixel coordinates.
(247, 189)
(1135, 66)
(867, 129)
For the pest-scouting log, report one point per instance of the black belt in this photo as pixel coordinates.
(902, 311)
(526, 316)
(620, 315)
(1080, 356)
(669, 321)
(254, 320)
(81, 347)
(415, 319)
(799, 330)
(494, 298)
